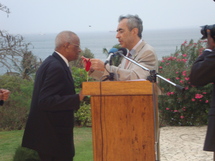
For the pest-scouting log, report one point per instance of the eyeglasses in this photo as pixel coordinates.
(76, 45)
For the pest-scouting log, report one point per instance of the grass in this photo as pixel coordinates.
(11, 140)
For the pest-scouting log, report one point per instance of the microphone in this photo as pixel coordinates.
(111, 53)
(115, 51)
(122, 51)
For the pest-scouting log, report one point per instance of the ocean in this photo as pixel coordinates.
(163, 41)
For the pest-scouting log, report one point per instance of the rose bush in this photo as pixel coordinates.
(182, 108)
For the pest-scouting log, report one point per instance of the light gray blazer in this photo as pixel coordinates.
(145, 56)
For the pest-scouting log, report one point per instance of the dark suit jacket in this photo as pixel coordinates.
(49, 129)
(202, 73)
(1, 102)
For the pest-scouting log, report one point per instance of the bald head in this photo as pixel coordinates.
(63, 38)
(67, 43)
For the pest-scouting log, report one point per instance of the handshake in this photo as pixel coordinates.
(4, 94)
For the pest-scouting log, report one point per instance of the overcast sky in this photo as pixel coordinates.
(53, 16)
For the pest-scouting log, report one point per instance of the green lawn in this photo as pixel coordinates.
(11, 140)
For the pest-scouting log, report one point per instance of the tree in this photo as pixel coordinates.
(116, 60)
(15, 56)
(4, 9)
(86, 53)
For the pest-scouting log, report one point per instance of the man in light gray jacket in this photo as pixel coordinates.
(129, 35)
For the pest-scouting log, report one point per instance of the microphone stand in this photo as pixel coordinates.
(111, 74)
(152, 78)
(153, 74)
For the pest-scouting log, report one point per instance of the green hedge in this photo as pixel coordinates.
(14, 113)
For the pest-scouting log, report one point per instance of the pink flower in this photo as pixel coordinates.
(204, 92)
(184, 73)
(185, 42)
(167, 108)
(186, 88)
(187, 78)
(177, 78)
(160, 67)
(175, 110)
(169, 93)
(184, 60)
(206, 101)
(171, 58)
(184, 55)
(182, 117)
(193, 99)
(198, 96)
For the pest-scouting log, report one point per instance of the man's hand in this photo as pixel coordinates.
(4, 94)
(97, 64)
(81, 96)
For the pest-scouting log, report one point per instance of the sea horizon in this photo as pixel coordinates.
(165, 41)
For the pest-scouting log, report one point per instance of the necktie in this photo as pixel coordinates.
(127, 61)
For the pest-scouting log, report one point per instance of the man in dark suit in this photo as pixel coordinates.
(202, 73)
(4, 94)
(49, 129)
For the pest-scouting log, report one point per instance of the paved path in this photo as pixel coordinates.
(183, 144)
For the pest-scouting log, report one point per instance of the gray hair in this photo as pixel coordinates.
(64, 37)
(133, 22)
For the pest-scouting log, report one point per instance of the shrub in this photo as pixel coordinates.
(25, 154)
(13, 114)
(191, 106)
(79, 76)
(86, 53)
(83, 115)
(116, 59)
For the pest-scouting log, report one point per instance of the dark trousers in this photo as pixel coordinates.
(45, 157)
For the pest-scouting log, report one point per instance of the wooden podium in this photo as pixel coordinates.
(122, 120)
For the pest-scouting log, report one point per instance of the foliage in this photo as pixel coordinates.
(116, 60)
(15, 56)
(86, 53)
(191, 106)
(13, 114)
(4, 9)
(25, 154)
(79, 75)
(83, 115)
